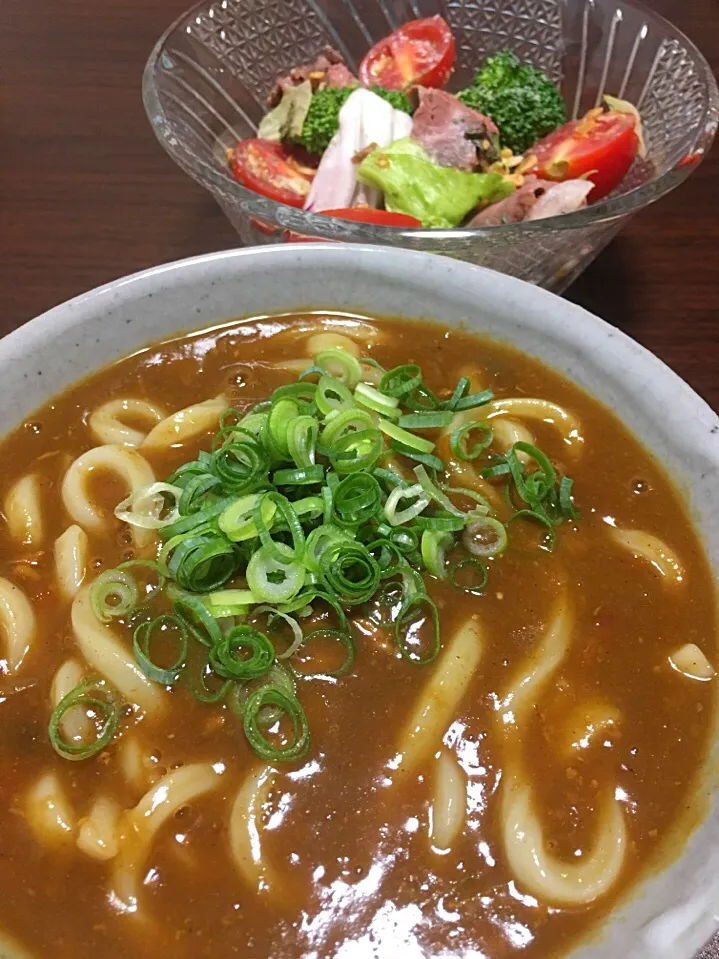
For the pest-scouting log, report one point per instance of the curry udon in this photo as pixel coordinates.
(326, 636)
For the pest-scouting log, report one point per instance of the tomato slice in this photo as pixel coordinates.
(270, 169)
(600, 147)
(364, 214)
(358, 214)
(419, 53)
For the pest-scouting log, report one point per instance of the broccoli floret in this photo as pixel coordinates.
(522, 101)
(399, 100)
(322, 120)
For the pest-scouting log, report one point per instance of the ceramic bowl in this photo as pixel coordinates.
(670, 914)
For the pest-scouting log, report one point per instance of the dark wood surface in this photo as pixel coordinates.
(87, 195)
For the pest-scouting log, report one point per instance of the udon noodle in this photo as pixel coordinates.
(328, 636)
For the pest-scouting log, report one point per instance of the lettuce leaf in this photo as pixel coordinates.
(437, 196)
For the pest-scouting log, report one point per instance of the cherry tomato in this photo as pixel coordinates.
(358, 214)
(364, 214)
(419, 53)
(600, 147)
(268, 229)
(270, 169)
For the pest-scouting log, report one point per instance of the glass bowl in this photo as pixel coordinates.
(207, 79)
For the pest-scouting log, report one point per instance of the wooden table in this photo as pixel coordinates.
(86, 193)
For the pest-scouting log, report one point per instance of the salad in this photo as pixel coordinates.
(392, 147)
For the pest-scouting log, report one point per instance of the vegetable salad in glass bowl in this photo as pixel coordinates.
(514, 135)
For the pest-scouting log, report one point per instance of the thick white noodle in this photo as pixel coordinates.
(140, 767)
(49, 813)
(295, 364)
(357, 329)
(692, 662)
(654, 550)
(332, 341)
(107, 426)
(449, 803)
(436, 708)
(132, 468)
(75, 725)
(98, 833)
(508, 432)
(185, 425)
(246, 831)
(104, 653)
(23, 511)
(139, 826)
(17, 622)
(71, 557)
(530, 408)
(551, 880)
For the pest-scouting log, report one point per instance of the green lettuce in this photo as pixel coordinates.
(438, 196)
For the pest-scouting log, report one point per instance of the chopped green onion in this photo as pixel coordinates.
(426, 421)
(302, 435)
(278, 676)
(566, 503)
(356, 451)
(435, 493)
(350, 572)
(474, 400)
(304, 476)
(427, 459)
(198, 685)
(92, 696)
(142, 640)
(458, 440)
(113, 594)
(485, 536)
(531, 487)
(202, 563)
(401, 381)
(147, 507)
(460, 390)
(290, 520)
(341, 424)
(395, 516)
(197, 618)
(309, 508)
(229, 602)
(283, 412)
(435, 544)
(332, 396)
(357, 499)
(472, 587)
(272, 579)
(530, 514)
(409, 440)
(274, 696)
(236, 520)
(225, 661)
(406, 623)
(445, 523)
(341, 365)
(374, 400)
(319, 541)
(241, 466)
(297, 637)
